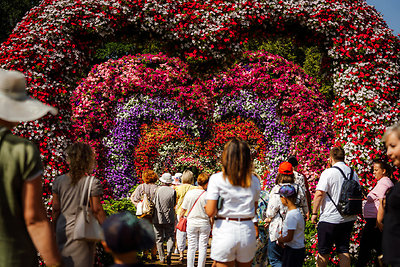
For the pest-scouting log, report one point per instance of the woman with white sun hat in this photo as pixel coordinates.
(25, 228)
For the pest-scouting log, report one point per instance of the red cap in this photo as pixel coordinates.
(285, 168)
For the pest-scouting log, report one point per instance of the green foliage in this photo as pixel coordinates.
(312, 62)
(309, 57)
(136, 43)
(310, 233)
(114, 50)
(113, 206)
(11, 13)
(284, 47)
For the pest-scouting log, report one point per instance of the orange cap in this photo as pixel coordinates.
(285, 168)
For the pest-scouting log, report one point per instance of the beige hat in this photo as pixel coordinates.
(166, 178)
(15, 104)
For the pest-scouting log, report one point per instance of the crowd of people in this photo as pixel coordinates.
(222, 206)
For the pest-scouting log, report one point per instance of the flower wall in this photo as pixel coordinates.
(123, 106)
(54, 42)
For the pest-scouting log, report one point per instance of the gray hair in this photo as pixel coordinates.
(187, 177)
(394, 128)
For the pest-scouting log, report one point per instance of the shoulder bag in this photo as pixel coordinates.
(86, 225)
(145, 207)
(182, 224)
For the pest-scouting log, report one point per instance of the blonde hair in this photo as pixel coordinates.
(395, 128)
(187, 177)
(81, 160)
(237, 164)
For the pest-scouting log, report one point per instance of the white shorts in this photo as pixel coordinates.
(233, 241)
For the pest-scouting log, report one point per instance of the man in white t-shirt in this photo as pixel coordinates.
(333, 228)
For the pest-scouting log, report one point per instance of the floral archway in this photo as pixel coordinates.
(274, 95)
(263, 95)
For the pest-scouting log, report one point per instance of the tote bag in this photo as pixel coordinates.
(144, 207)
(148, 206)
(139, 208)
(86, 225)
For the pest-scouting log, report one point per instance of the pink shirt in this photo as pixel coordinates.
(377, 193)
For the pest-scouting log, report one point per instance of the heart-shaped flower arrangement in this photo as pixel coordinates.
(54, 43)
(146, 111)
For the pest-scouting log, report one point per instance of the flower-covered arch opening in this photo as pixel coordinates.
(274, 94)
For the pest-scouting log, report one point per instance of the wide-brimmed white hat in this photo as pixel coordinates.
(166, 178)
(15, 104)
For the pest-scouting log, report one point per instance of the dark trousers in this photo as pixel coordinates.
(293, 257)
(371, 238)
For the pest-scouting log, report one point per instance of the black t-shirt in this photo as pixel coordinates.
(391, 229)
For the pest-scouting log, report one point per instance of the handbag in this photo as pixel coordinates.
(182, 223)
(139, 209)
(145, 207)
(148, 206)
(86, 225)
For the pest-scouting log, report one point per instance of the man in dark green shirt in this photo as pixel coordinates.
(24, 227)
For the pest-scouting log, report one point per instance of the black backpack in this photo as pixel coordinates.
(350, 199)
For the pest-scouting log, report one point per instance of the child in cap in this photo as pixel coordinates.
(176, 179)
(293, 229)
(124, 236)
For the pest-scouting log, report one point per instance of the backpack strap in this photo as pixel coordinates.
(333, 201)
(263, 200)
(298, 199)
(344, 176)
(280, 215)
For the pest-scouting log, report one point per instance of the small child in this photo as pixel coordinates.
(293, 229)
(124, 236)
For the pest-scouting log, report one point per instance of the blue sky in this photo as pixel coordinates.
(390, 10)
